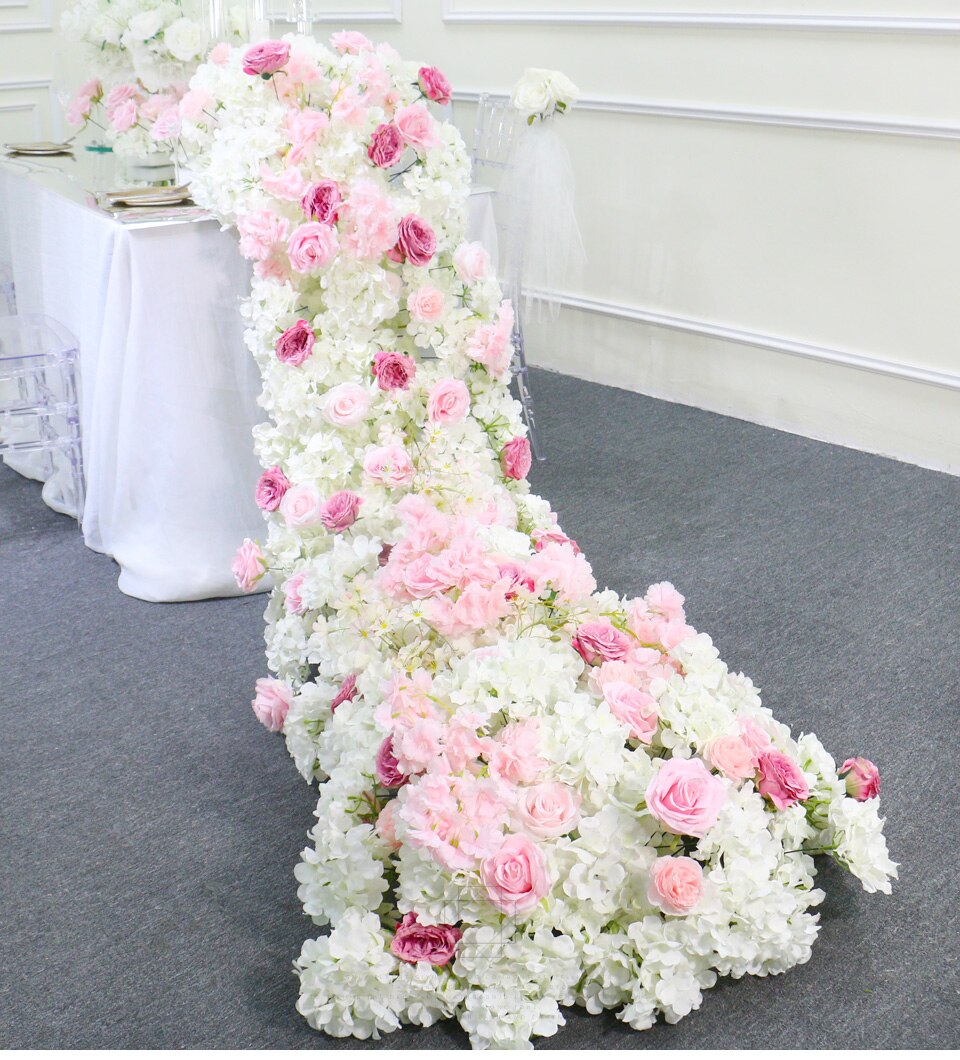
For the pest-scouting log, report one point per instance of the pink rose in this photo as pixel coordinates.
(386, 826)
(117, 95)
(248, 565)
(548, 810)
(425, 304)
(260, 231)
(367, 222)
(434, 85)
(417, 126)
(346, 693)
(321, 201)
(753, 736)
(636, 709)
(386, 146)
(433, 943)
(194, 103)
(685, 797)
(390, 465)
(345, 405)
(271, 487)
(676, 885)
(863, 778)
(350, 41)
(392, 370)
(292, 599)
(287, 184)
(541, 538)
(296, 344)
(516, 458)
(340, 510)
(472, 262)
(516, 876)
(300, 506)
(598, 640)
(311, 247)
(124, 116)
(415, 240)
(731, 756)
(266, 58)
(387, 771)
(167, 125)
(781, 780)
(272, 702)
(449, 401)
(219, 54)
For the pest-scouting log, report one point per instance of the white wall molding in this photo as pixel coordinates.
(454, 13)
(42, 83)
(779, 344)
(391, 11)
(43, 24)
(784, 119)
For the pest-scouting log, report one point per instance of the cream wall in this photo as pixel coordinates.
(769, 195)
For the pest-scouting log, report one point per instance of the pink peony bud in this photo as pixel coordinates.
(863, 778)
(516, 458)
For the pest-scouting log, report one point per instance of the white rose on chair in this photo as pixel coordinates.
(540, 93)
(184, 39)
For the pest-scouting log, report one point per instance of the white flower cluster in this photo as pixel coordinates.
(532, 794)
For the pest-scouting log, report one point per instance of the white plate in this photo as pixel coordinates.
(43, 147)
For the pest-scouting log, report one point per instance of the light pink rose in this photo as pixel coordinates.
(472, 262)
(425, 304)
(781, 779)
(340, 510)
(167, 125)
(305, 127)
(288, 184)
(449, 401)
(416, 240)
(123, 116)
(862, 777)
(492, 344)
(386, 826)
(296, 344)
(194, 103)
(117, 95)
(260, 233)
(91, 88)
(598, 640)
(434, 85)
(417, 127)
(516, 458)
(300, 506)
(685, 797)
(350, 41)
(393, 370)
(311, 247)
(321, 201)
(266, 58)
(271, 487)
(219, 54)
(292, 599)
(676, 885)
(731, 756)
(636, 709)
(390, 465)
(248, 565)
(386, 146)
(541, 538)
(345, 405)
(346, 693)
(753, 736)
(516, 876)
(548, 810)
(434, 943)
(272, 702)
(367, 221)
(387, 770)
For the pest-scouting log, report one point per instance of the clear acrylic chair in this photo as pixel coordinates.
(39, 406)
(8, 291)
(498, 129)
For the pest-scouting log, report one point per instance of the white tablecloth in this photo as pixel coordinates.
(168, 387)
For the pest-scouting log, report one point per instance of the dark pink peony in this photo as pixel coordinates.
(266, 58)
(599, 641)
(321, 201)
(434, 85)
(296, 344)
(781, 780)
(862, 777)
(386, 147)
(433, 943)
(347, 692)
(516, 458)
(388, 771)
(416, 241)
(340, 510)
(392, 370)
(271, 487)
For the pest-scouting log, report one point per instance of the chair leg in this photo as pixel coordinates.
(524, 394)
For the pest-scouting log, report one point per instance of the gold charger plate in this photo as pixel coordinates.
(40, 147)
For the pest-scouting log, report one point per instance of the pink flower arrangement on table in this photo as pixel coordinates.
(528, 789)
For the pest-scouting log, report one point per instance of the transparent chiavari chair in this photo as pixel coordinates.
(498, 129)
(39, 406)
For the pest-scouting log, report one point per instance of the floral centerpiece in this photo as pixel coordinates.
(532, 793)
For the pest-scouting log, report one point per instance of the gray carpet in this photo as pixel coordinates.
(150, 826)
